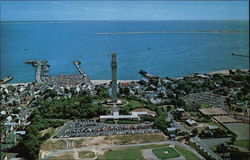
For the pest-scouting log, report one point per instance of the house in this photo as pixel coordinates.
(144, 81)
(155, 100)
(212, 127)
(179, 110)
(8, 119)
(172, 132)
(10, 125)
(191, 122)
(150, 94)
(138, 89)
(184, 115)
(3, 113)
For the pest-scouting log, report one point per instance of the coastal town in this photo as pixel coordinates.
(198, 116)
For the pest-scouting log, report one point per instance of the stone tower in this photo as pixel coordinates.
(114, 78)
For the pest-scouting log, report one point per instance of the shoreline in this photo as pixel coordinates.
(98, 82)
(225, 72)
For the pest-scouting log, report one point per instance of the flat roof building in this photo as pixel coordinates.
(117, 116)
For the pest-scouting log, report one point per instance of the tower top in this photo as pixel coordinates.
(113, 56)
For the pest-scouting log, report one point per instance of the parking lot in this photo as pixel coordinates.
(90, 128)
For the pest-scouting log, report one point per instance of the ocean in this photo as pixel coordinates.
(163, 48)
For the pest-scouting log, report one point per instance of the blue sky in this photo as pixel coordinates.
(123, 10)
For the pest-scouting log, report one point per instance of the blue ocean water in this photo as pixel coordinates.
(164, 54)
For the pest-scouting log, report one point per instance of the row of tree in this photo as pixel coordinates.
(30, 145)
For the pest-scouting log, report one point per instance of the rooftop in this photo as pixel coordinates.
(213, 111)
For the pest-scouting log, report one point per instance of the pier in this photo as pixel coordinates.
(146, 74)
(6, 79)
(41, 76)
(39, 64)
(86, 79)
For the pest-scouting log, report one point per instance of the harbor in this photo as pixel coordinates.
(42, 76)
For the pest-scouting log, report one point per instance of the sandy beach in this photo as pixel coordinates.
(97, 82)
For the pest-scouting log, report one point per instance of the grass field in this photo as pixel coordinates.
(86, 154)
(123, 154)
(134, 104)
(131, 153)
(204, 105)
(166, 153)
(240, 129)
(187, 154)
(242, 143)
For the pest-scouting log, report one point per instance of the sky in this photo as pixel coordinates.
(123, 10)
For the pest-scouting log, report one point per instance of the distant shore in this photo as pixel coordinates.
(169, 32)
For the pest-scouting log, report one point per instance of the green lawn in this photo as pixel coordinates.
(123, 154)
(242, 143)
(204, 105)
(134, 104)
(131, 153)
(166, 153)
(187, 154)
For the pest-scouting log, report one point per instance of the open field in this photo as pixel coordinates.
(130, 153)
(242, 143)
(73, 155)
(160, 151)
(86, 154)
(101, 140)
(240, 129)
(63, 156)
(166, 153)
(62, 144)
(187, 154)
(138, 138)
(122, 154)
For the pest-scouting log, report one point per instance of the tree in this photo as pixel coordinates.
(195, 131)
(124, 110)
(233, 139)
(126, 91)
(222, 148)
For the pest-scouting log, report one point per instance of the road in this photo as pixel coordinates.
(177, 124)
(53, 153)
(38, 71)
